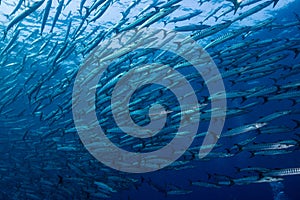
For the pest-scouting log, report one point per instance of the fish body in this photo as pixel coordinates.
(23, 15)
(10, 43)
(18, 6)
(243, 129)
(102, 10)
(46, 15)
(236, 4)
(162, 13)
(227, 36)
(284, 172)
(209, 31)
(192, 27)
(57, 14)
(253, 10)
(185, 17)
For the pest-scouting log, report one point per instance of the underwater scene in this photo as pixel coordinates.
(150, 99)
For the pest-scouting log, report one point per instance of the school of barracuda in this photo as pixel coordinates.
(43, 43)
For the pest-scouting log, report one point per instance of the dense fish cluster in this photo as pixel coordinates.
(44, 43)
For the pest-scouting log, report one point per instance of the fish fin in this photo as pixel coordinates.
(275, 3)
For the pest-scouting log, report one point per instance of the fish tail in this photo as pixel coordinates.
(4, 35)
(227, 150)
(231, 182)
(233, 82)
(165, 22)
(265, 99)
(275, 3)
(238, 169)
(209, 176)
(297, 16)
(123, 14)
(296, 51)
(298, 135)
(252, 154)
(260, 175)
(244, 99)
(178, 45)
(240, 147)
(235, 10)
(297, 123)
(257, 57)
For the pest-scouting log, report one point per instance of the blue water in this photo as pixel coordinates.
(42, 156)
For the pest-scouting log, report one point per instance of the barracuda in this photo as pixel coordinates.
(46, 15)
(253, 10)
(22, 15)
(161, 14)
(243, 129)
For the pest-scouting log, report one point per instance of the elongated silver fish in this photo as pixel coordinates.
(253, 10)
(186, 17)
(57, 14)
(22, 15)
(243, 129)
(284, 172)
(18, 6)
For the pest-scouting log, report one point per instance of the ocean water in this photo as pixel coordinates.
(44, 46)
